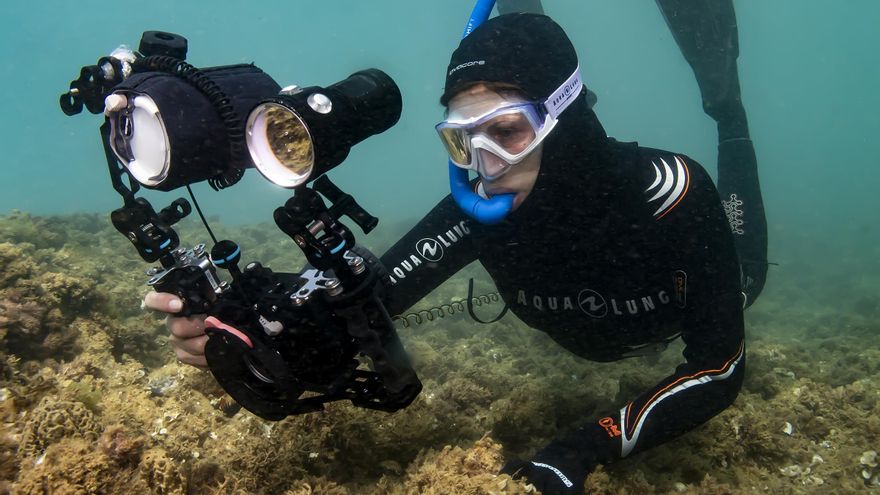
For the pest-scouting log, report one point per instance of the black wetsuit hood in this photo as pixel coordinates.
(529, 51)
(580, 165)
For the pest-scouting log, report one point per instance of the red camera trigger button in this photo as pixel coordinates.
(212, 322)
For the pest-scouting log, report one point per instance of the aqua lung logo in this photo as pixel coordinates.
(467, 64)
(566, 92)
(595, 305)
(430, 250)
(592, 303)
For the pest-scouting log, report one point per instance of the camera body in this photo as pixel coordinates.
(279, 343)
(287, 343)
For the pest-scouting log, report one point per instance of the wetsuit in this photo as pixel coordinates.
(608, 274)
(616, 250)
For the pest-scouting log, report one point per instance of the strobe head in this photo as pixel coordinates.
(173, 125)
(298, 135)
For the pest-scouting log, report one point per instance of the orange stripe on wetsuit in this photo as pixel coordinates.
(629, 425)
(687, 184)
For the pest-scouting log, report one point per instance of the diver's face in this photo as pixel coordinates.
(520, 178)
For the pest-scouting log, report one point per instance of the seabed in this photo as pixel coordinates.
(93, 401)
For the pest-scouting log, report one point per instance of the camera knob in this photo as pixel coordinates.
(226, 254)
(162, 43)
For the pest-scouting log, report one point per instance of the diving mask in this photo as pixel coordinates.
(494, 141)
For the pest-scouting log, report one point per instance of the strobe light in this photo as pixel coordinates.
(178, 125)
(301, 133)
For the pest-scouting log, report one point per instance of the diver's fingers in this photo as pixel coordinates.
(190, 351)
(186, 327)
(197, 361)
(194, 346)
(163, 301)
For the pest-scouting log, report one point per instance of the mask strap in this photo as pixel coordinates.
(565, 94)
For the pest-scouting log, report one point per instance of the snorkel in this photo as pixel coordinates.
(486, 211)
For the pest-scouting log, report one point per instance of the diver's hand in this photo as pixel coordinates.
(561, 468)
(547, 478)
(187, 332)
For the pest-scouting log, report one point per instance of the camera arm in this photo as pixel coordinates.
(150, 232)
(316, 229)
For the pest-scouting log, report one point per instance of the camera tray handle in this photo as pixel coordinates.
(345, 204)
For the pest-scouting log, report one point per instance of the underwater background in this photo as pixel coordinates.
(93, 401)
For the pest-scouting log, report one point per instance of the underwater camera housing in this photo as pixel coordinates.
(278, 343)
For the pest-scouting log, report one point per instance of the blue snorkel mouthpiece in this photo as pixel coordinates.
(486, 211)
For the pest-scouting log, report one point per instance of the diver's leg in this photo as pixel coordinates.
(509, 6)
(705, 30)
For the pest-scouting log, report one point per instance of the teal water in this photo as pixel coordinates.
(808, 71)
(810, 82)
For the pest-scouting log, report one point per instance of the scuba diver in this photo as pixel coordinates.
(706, 34)
(612, 249)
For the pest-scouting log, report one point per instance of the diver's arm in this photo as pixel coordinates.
(706, 384)
(511, 6)
(711, 321)
(708, 296)
(699, 389)
(437, 247)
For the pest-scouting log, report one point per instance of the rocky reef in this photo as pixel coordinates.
(93, 401)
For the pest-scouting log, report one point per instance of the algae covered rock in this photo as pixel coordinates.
(316, 486)
(121, 446)
(23, 227)
(455, 470)
(161, 474)
(73, 466)
(37, 312)
(53, 420)
(16, 262)
(31, 330)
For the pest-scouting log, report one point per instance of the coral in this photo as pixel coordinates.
(52, 420)
(807, 413)
(21, 227)
(73, 293)
(73, 466)
(316, 486)
(119, 445)
(602, 482)
(17, 263)
(455, 470)
(21, 318)
(9, 464)
(33, 328)
(82, 389)
(208, 478)
(161, 474)
(521, 418)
